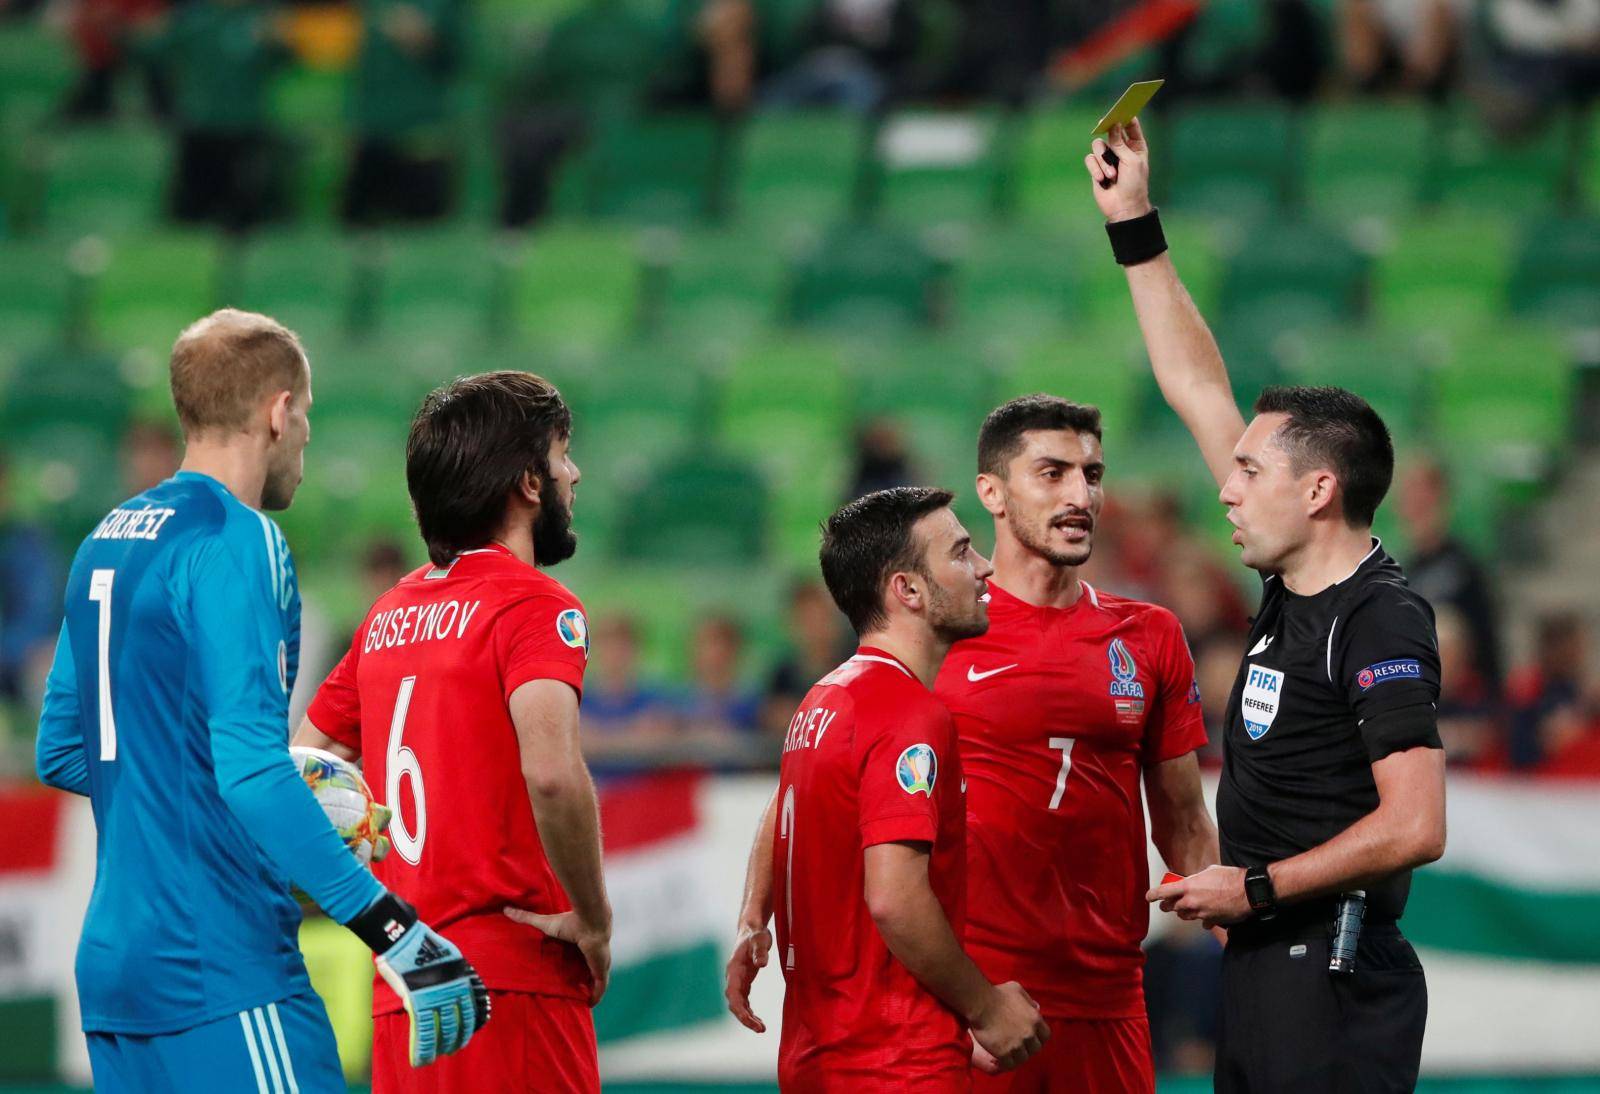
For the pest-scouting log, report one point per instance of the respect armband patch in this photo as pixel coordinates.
(1384, 671)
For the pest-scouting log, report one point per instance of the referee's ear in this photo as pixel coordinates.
(1323, 493)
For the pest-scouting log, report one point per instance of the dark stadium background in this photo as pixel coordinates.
(779, 252)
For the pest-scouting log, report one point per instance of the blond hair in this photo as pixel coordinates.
(224, 365)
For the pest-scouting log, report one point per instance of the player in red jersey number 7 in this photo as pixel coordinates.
(869, 818)
(460, 693)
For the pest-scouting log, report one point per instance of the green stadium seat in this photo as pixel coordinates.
(861, 276)
(1478, 169)
(657, 170)
(1223, 40)
(1090, 364)
(798, 169)
(1367, 161)
(355, 484)
(938, 391)
(1295, 274)
(304, 278)
(35, 287)
(36, 68)
(56, 385)
(65, 477)
(1505, 396)
(444, 285)
(705, 509)
(105, 179)
(153, 287)
(1387, 367)
(576, 285)
(932, 168)
(1557, 274)
(1050, 180)
(1020, 283)
(1444, 271)
(723, 284)
(1235, 162)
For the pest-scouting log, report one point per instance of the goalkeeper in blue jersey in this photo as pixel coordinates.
(167, 705)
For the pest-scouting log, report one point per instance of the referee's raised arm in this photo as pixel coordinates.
(1184, 355)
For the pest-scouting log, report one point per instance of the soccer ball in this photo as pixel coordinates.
(346, 799)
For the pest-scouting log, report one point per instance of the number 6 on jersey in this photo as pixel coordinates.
(398, 762)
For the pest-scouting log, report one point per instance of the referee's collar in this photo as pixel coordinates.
(1377, 545)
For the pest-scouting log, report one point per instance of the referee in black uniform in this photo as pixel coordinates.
(1333, 776)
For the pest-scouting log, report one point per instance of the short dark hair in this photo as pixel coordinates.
(869, 539)
(470, 444)
(1001, 437)
(1337, 429)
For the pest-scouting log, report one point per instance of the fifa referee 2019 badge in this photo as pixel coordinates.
(917, 769)
(1263, 691)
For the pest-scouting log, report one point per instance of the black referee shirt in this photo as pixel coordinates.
(1331, 684)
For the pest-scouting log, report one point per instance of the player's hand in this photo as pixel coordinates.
(381, 816)
(750, 951)
(593, 942)
(1009, 1027)
(444, 998)
(1215, 896)
(1121, 191)
(984, 1060)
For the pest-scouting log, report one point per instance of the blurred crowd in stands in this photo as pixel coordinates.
(207, 66)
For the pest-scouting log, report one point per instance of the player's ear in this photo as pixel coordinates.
(991, 494)
(528, 487)
(906, 588)
(278, 414)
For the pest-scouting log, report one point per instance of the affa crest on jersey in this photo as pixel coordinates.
(573, 630)
(1263, 691)
(917, 769)
(1124, 671)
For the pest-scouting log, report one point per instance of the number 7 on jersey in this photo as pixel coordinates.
(1065, 745)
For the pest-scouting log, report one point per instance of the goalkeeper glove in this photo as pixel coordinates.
(444, 998)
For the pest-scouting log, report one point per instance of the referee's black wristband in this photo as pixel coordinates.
(1137, 240)
(384, 921)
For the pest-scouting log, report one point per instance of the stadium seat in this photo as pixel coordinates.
(1475, 168)
(1390, 368)
(1367, 161)
(1443, 272)
(1224, 39)
(1294, 274)
(355, 484)
(1020, 283)
(1557, 275)
(1505, 394)
(704, 509)
(64, 477)
(723, 284)
(656, 170)
(1050, 180)
(931, 168)
(1236, 163)
(1089, 364)
(442, 285)
(34, 290)
(154, 286)
(36, 69)
(937, 391)
(861, 276)
(798, 170)
(108, 180)
(576, 284)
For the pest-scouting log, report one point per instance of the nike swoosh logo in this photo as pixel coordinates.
(1261, 645)
(973, 675)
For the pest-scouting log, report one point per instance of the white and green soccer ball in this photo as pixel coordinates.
(345, 797)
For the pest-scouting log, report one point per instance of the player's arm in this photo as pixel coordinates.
(1180, 824)
(754, 941)
(309, 736)
(236, 633)
(900, 897)
(1183, 354)
(545, 713)
(58, 752)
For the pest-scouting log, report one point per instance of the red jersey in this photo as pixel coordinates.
(869, 758)
(423, 695)
(1060, 710)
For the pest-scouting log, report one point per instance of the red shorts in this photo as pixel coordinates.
(837, 1081)
(541, 1044)
(1083, 1056)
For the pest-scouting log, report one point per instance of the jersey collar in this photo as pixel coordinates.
(872, 653)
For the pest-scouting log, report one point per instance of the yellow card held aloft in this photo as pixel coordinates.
(1127, 108)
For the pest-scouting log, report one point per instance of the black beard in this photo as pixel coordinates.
(1039, 547)
(553, 538)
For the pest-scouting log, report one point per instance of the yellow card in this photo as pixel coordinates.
(1127, 108)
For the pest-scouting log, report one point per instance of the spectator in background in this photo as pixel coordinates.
(618, 704)
(1182, 982)
(1542, 54)
(1469, 723)
(718, 703)
(1215, 669)
(150, 454)
(100, 29)
(857, 55)
(220, 57)
(881, 459)
(1202, 595)
(1407, 45)
(1554, 705)
(817, 644)
(404, 164)
(1444, 571)
(30, 600)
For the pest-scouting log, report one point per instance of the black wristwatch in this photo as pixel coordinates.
(1258, 891)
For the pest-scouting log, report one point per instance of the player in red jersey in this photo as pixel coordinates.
(1069, 702)
(869, 856)
(460, 693)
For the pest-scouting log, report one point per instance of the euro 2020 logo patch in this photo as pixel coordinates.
(573, 630)
(917, 769)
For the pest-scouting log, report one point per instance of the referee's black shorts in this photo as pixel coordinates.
(1289, 1025)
